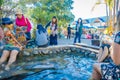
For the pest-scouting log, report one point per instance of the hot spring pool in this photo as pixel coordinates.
(72, 66)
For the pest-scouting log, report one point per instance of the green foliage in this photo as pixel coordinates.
(40, 11)
(45, 9)
(9, 6)
(33, 33)
(110, 3)
(1, 2)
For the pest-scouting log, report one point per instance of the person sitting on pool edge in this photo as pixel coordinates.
(105, 50)
(41, 38)
(110, 71)
(12, 46)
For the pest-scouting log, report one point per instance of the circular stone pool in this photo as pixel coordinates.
(70, 66)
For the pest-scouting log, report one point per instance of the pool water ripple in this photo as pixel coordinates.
(67, 67)
(72, 66)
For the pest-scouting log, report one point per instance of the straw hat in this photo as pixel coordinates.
(19, 11)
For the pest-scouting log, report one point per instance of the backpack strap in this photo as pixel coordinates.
(26, 21)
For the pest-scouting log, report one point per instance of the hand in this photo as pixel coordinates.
(25, 31)
(21, 47)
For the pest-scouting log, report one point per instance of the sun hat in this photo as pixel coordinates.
(6, 21)
(18, 11)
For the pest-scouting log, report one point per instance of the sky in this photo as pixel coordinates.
(82, 8)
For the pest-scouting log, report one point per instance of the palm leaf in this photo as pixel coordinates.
(97, 3)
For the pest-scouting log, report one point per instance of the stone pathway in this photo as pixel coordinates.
(70, 42)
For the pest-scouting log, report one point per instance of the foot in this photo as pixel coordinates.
(7, 68)
(3, 65)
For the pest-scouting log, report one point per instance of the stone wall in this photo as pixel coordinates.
(27, 55)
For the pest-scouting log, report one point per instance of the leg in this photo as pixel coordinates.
(67, 35)
(70, 35)
(75, 38)
(12, 59)
(51, 40)
(103, 55)
(4, 56)
(79, 38)
(99, 54)
(96, 75)
(55, 39)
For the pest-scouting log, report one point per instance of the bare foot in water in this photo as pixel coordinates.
(7, 68)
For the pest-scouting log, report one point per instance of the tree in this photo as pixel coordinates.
(40, 11)
(45, 10)
(8, 7)
(110, 7)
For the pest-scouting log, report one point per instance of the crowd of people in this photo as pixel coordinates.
(16, 35)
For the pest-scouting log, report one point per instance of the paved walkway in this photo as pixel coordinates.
(69, 42)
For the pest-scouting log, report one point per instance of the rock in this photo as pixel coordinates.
(25, 53)
(69, 51)
(57, 50)
(43, 66)
(54, 52)
(82, 51)
(35, 52)
(78, 50)
(61, 49)
(45, 51)
(28, 50)
(86, 54)
(73, 49)
(50, 52)
(64, 50)
(92, 55)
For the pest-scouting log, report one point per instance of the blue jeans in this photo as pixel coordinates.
(77, 36)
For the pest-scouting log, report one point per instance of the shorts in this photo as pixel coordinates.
(11, 48)
(110, 71)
